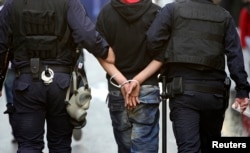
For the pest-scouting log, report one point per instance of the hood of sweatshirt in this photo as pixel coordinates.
(131, 12)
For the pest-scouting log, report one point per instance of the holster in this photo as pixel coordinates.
(175, 87)
(227, 84)
(35, 68)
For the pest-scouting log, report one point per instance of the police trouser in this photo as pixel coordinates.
(36, 103)
(197, 117)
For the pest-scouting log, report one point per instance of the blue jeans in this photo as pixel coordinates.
(8, 83)
(137, 130)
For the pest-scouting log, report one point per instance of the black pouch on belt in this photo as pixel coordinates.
(35, 67)
(227, 84)
(175, 87)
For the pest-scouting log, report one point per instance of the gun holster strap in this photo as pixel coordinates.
(203, 88)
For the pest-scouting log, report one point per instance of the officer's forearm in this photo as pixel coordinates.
(153, 67)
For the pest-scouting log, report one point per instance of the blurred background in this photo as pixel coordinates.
(97, 135)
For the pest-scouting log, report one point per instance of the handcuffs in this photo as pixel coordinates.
(47, 75)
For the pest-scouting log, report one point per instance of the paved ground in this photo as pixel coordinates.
(97, 134)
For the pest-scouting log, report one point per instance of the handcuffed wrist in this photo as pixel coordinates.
(122, 84)
(114, 84)
(133, 80)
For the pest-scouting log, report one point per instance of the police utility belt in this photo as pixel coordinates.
(177, 87)
(43, 72)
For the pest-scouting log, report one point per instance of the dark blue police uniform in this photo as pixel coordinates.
(43, 37)
(196, 45)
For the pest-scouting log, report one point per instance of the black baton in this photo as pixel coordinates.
(164, 115)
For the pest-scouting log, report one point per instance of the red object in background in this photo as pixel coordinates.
(246, 124)
(130, 1)
(244, 25)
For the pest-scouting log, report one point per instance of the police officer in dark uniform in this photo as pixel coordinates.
(197, 34)
(43, 38)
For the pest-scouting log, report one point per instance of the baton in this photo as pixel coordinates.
(164, 115)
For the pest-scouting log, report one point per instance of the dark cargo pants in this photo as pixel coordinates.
(197, 118)
(35, 104)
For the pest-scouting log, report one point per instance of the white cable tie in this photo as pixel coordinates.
(110, 80)
(125, 82)
(137, 82)
(117, 86)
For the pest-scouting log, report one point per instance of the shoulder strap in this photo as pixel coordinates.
(78, 77)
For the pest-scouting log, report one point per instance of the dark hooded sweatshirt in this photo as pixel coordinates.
(124, 26)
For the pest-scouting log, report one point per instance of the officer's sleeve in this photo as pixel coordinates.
(101, 24)
(83, 30)
(160, 30)
(235, 60)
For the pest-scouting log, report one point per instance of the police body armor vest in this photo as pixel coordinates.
(198, 35)
(40, 29)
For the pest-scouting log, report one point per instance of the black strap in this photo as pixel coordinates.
(55, 68)
(80, 67)
(203, 88)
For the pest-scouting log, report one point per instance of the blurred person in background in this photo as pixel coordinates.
(244, 32)
(234, 7)
(8, 83)
(244, 25)
(244, 29)
(197, 84)
(93, 7)
(8, 86)
(133, 98)
(1, 4)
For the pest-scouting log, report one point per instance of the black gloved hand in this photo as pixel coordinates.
(10, 108)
